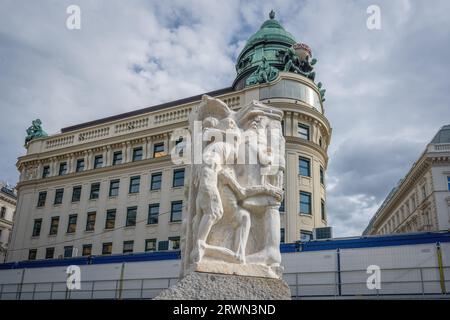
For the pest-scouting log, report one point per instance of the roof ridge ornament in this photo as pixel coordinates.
(272, 14)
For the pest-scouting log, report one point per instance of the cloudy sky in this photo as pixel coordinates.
(387, 89)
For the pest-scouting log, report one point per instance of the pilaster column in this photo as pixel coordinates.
(108, 159)
(124, 152)
(288, 124)
(145, 148)
(128, 152)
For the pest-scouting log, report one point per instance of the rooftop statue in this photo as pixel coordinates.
(297, 59)
(232, 223)
(321, 91)
(34, 131)
(265, 73)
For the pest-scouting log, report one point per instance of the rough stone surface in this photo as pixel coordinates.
(209, 286)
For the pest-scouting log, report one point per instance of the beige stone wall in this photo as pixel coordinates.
(145, 131)
(8, 208)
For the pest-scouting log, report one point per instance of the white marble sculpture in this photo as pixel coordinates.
(232, 222)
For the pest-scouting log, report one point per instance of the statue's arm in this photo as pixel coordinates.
(229, 180)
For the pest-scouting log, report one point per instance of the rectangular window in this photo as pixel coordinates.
(76, 194)
(54, 226)
(137, 154)
(87, 250)
(98, 162)
(281, 209)
(62, 168)
(305, 202)
(178, 178)
(72, 225)
(150, 245)
(303, 131)
(282, 127)
(305, 235)
(114, 188)
(128, 246)
(282, 235)
(49, 253)
(110, 219)
(41, 198)
(448, 183)
(134, 184)
(90, 221)
(95, 191)
(3, 213)
(158, 150)
(156, 181)
(174, 243)
(37, 227)
(117, 158)
(59, 193)
(153, 213)
(131, 216)
(107, 248)
(46, 171)
(304, 167)
(176, 211)
(163, 245)
(424, 192)
(322, 210)
(322, 176)
(80, 165)
(32, 253)
(68, 251)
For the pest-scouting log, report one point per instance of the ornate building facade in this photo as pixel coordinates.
(109, 185)
(421, 201)
(8, 200)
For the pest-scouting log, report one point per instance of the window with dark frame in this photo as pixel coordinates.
(62, 168)
(68, 251)
(303, 131)
(137, 154)
(98, 162)
(304, 167)
(107, 248)
(87, 250)
(131, 217)
(45, 171)
(305, 202)
(117, 158)
(150, 245)
(95, 191)
(153, 213)
(3, 212)
(54, 224)
(163, 245)
(176, 211)
(282, 236)
(49, 253)
(41, 198)
(158, 150)
(322, 176)
(37, 227)
(128, 246)
(281, 208)
(80, 165)
(114, 188)
(178, 178)
(32, 253)
(322, 210)
(76, 194)
(59, 194)
(448, 183)
(174, 243)
(110, 219)
(156, 180)
(134, 184)
(90, 221)
(72, 224)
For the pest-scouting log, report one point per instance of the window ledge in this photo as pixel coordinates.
(175, 222)
(305, 215)
(152, 224)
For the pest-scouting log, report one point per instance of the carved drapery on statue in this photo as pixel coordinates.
(232, 223)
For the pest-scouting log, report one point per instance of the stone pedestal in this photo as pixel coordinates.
(211, 286)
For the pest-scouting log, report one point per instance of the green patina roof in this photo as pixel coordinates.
(271, 30)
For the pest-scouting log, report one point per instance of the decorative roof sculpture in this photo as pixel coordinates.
(34, 131)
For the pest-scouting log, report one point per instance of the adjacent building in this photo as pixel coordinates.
(421, 200)
(109, 186)
(8, 199)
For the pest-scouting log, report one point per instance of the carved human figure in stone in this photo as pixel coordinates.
(232, 220)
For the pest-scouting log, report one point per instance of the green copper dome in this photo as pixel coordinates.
(263, 48)
(271, 30)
